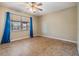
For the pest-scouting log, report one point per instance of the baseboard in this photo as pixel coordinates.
(59, 39)
(18, 39)
(21, 38)
(48, 37)
(35, 35)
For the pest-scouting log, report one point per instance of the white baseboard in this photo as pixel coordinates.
(48, 37)
(35, 35)
(19, 39)
(59, 39)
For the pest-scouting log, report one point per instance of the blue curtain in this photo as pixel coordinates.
(31, 28)
(6, 33)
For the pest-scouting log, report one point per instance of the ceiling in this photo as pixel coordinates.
(47, 7)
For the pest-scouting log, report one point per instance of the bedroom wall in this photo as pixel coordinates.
(78, 26)
(61, 24)
(1, 23)
(19, 34)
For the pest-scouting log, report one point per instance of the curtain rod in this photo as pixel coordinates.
(20, 15)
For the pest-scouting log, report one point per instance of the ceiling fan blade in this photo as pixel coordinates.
(28, 4)
(39, 4)
(33, 2)
(41, 9)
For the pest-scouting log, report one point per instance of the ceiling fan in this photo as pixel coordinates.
(34, 6)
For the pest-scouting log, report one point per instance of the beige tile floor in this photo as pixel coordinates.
(38, 46)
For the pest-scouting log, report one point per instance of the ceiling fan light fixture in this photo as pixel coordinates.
(35, 6)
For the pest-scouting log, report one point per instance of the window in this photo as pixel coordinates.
(24, 25)
(19, 23)
(15, 25)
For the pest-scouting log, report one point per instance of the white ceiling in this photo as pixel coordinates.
(47, 7)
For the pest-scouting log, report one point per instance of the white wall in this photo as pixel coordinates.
(1, 23)
(78, 26)
(35, 25)
(61, 24)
